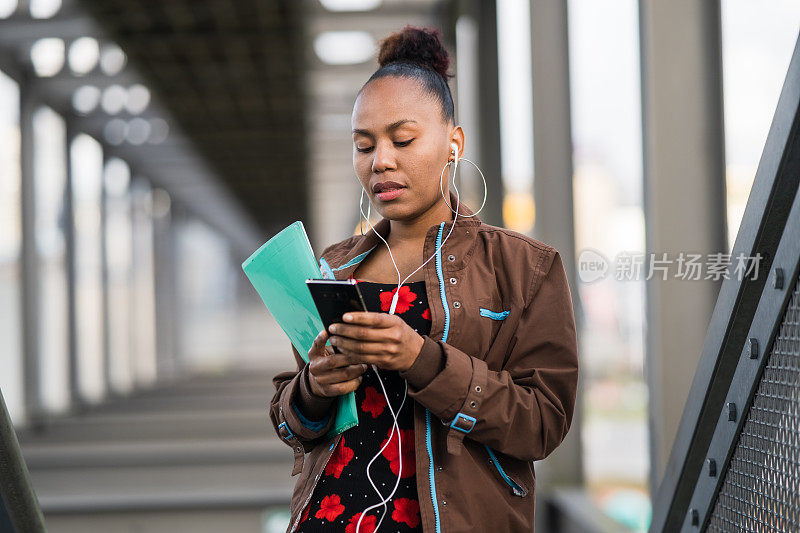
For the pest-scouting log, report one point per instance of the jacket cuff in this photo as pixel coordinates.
(445, 393)
(303, 428)
(311, 405)
(455, 394)
(429, 363)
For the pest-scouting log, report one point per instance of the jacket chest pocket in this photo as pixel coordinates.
(489, 317)
(494, 315)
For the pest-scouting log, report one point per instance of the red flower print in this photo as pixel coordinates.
(391, 455)
(404, 302)
(406, 510)
(426, 314)
(304, 517)
(339, 459)
(367, 525)
(330, 508)
(374, 402)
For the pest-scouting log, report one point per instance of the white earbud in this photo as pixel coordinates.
(454, 149)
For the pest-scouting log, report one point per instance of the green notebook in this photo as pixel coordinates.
(278, 270)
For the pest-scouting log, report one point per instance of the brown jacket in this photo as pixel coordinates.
(494, 385)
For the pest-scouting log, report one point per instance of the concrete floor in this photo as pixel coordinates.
(200, 455)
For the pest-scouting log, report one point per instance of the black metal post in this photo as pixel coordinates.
(20, 507)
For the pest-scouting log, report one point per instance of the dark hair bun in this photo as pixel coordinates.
(417, 45)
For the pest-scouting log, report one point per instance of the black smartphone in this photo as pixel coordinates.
(334, 298)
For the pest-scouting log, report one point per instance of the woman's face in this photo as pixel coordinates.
(399, 135)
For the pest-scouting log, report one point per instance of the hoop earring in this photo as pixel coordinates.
(361, 211)
(455, 169)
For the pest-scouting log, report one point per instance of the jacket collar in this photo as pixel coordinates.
(460, 240)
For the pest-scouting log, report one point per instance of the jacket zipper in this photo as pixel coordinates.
(314, 485)
(516, 488)
(429, 447)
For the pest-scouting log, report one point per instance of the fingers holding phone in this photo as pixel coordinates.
(331, 374)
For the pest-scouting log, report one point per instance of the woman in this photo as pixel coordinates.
(474, 352)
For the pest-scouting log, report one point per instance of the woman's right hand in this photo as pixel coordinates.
(330, 374)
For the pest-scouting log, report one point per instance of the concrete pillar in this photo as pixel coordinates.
(30, 259)
(489, 112)
(467, 106)
(684, 197)
(164, 244)
(108, 360)
(76, 400)
(552, 134)
(552, 147)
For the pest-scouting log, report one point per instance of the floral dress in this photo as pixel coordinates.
(343, 490)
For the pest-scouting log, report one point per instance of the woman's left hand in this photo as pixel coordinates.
(384, 340)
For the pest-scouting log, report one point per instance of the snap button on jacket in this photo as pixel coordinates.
(494, 385)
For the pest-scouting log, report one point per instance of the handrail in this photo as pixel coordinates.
(762, 232)
(19, 503)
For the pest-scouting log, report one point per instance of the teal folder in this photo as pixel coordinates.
(278, 270)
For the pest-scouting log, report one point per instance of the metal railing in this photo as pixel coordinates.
(734, 466)
(19, 507)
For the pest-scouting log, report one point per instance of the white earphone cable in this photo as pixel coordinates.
(395, 416)
(458, 203)
(395, 427)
